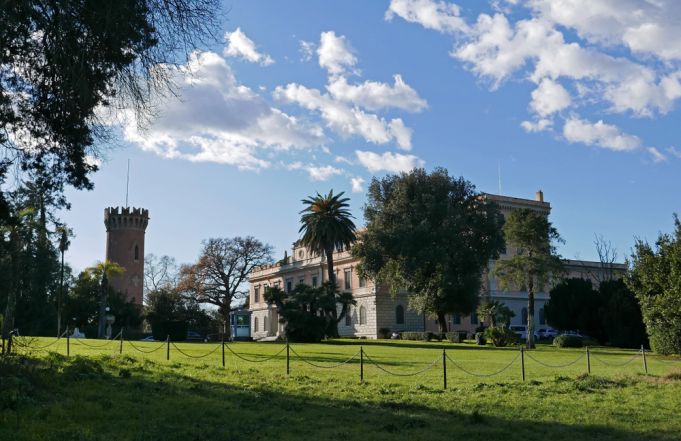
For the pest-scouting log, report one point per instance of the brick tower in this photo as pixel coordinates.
(125, 229)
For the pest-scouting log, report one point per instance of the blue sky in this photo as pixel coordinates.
(577, 98)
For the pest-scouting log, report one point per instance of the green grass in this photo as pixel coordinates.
(97, 394)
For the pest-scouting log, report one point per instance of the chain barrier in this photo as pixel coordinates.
(144, 351)
(528, 355)
(607, 363)
(400, 374)
(482, 375)
(79, 341)
(325, 367)
(666, 361)
(195, 356)
(20, 343)
(251, 360)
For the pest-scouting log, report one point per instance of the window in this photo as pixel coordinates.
(289, 285)
(276, 284)
(347, 275)
(255, 324)
(362, 282)
(314, 281)
(264, 324)
(542, 319)
(457, 318)
(523, 314)
(339, 248)
(256, 296)
(137, 252)
(348, 317)
(362, 315)
(301, 281)
(399, 315)
(474, 319)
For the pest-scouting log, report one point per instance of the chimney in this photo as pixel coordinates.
(539, 196)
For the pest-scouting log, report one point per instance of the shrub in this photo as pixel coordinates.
(453, 337)
(501, 336)
(568, 341)
(420, 336)
(177, 330)
(384, 333)
(480, 339)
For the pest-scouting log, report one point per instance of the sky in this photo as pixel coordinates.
(578, 98)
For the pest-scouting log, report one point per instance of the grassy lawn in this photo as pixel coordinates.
(98, 394)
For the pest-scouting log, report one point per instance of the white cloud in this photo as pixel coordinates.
(220, 120)
(357, 184)
(657, 156)
(436, 15)
(239, 45)
(549, 97)
(539, 125)
(388, 161)
(335, 54)
(674, 151)
(317, 172)
(373, 95)
(306, 50)
(599, 134)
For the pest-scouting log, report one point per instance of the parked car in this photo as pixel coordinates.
(521, 330)
(195, 336)
(572, 333)
(547, 333)
(148, 338)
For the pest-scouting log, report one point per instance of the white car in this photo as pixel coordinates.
(547, 333)
(521, 330)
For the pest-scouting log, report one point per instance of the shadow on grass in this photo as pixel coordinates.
(122, 398)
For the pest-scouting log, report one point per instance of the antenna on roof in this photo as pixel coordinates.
(127, 184)
(499, 172)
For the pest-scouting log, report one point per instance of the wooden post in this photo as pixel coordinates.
(522, 362)
(288, 359)
(68, 343)
(168, 348)
(361, 364)
(645, 363)
(588, 361)
(444, 368)
(9, 342)
(120, 347)
(223, 348)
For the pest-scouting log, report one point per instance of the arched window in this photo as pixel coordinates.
(137, 252)
(399, 315)
(523, 314)
(348, 317)
(255, 324)
(362, 315)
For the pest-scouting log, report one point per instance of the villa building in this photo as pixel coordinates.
(376, 308)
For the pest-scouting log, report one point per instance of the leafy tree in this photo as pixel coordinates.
(655, 278)
(432, 235)
(104, 271)
(620, 315)
(221, 274)
(496, 312)
(575, 305)
(326, 224)
(531, 235)
(168, 305)
(307, 312)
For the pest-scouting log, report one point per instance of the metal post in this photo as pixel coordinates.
(120, 348)
(288, 359)
(522, 362)
(645, 363)
(444, 368)
(168, 348)
(588, 361)
(68, 343)
(361, 363)
(223, 348)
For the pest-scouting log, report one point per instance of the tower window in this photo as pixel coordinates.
(137, 252)
(362, 315)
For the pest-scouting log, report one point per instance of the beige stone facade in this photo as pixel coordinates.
(376, 308)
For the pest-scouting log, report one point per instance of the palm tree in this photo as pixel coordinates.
(327, 225)
(104, 271)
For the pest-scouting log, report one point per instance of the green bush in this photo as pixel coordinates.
(453, 337)
(501, 336)
(480, 339)
(568, 341)
(384, 333)
(177, 330)
(420, 336)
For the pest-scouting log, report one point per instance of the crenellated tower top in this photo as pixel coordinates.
(126, 218)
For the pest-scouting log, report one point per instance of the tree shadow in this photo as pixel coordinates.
(130, 399)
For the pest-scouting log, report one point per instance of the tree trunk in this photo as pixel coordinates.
(333, 328)
(530, 314)
(102, 305)
(442, 322)
(227, 324)
(10, 307)
(60, 299)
